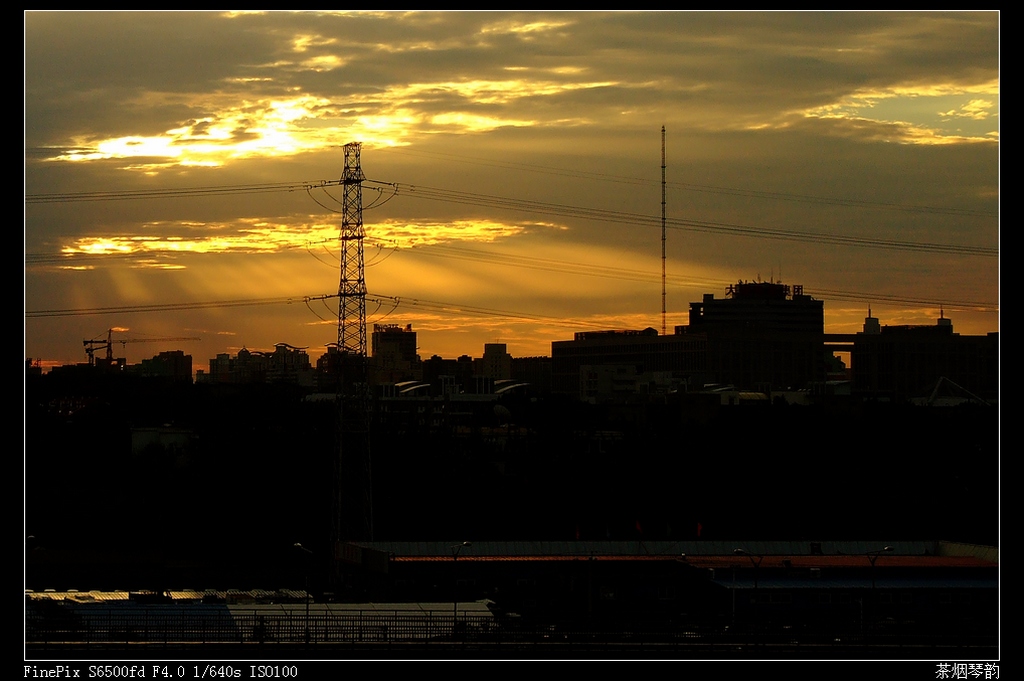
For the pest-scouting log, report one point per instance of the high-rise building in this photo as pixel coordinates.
(761, 336)
(394, 357)
(394, 341)
(496, 363)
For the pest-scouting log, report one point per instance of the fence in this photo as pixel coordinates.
(201, 624)
(104, 627)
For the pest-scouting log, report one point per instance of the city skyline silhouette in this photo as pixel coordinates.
(676, 322)
(512, 194)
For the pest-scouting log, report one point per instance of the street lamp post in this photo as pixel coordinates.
(309, 556)
(872, 557)
(757, 564)
(751, 556)
(456, 548)
(590, 585)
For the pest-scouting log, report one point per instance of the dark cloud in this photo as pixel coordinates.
(568, 110)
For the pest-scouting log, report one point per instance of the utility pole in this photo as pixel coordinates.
(663, 308)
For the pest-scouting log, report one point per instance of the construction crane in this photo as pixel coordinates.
(93, 344)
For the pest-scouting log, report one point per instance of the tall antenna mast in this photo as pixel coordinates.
(663, 308)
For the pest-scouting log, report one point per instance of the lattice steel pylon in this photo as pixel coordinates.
(353, 497)
(352, 288)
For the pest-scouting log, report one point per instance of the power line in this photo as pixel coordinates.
(547, 208)
(703, 188)
(495, 258)
(449, 307)
(160, 307)
(621, 217)
(568, 267)
(584, 269)
(479, 311)
(182, 192)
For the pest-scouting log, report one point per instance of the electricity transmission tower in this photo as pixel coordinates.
(352, 289)
(353, 500)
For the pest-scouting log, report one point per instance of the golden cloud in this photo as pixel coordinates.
(515, 26)
(977, 109)
(254, 235)
(283, 127)
(862, 108)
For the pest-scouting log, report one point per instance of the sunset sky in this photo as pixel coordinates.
(174, 163)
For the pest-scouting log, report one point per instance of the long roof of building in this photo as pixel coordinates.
(836, 551)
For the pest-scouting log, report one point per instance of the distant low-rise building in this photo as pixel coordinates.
(172, 364)
(903, 362)
(286, 364)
